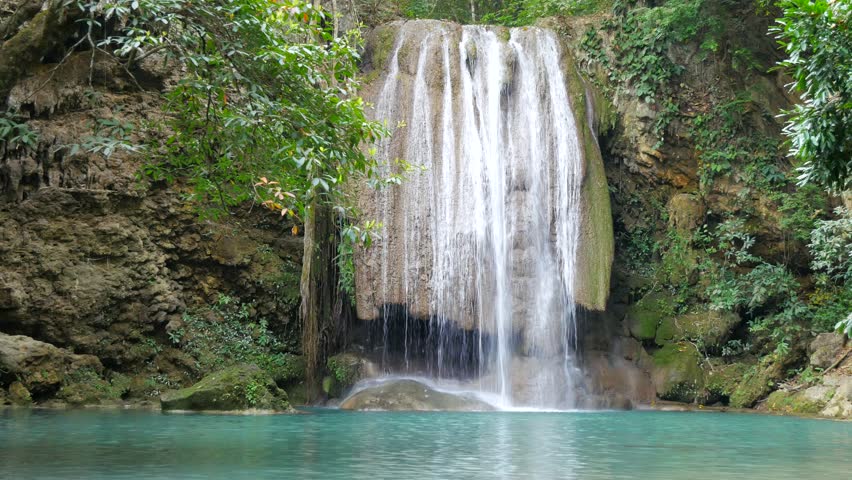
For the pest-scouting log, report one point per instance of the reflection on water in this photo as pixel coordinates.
(330, 444)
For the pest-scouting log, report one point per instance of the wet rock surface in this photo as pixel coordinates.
(410, 395)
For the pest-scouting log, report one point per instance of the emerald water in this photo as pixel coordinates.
(333, 444)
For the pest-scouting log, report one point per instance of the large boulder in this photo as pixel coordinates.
(825, 349)
(241, 387)
(677, 373)
(644, 316)
(757, 381)
(40, 367)
(809, 401)
(346, 369)
(840, 404)
(410, 395)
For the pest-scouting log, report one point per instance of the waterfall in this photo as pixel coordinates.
(480, 240)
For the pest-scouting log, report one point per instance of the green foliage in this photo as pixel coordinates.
(86, 386)
(816, 36)
(729, 146)
(225, 334)
(109, 136)
(15, 133)
(267, 92)
(766, 293)
(801, 210)
(351, 236)
(831, 247)
(253, 391)
(845, 326)
(828, 306)
(525, 12)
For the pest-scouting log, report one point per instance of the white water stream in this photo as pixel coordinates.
(483, 236)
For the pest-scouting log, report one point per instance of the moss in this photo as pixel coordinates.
(722, 380)
(45, 30)
(793, 403)
(19, 395)
(239, 387)
(381, 46)
(666, 331)
(646, 316)
(709, 329)
(678, 374)
(757, 382)
(596, 250)
(346, 369)
(86, 387)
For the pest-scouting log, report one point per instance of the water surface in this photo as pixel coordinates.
(332, 444)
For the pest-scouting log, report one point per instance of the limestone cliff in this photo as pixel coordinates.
(99, 262)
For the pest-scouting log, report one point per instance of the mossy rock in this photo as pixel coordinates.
(756, 383)
(797, 403)
(645, 316)
(19, 395)
(380, 45)
(345, 370)
(86, 387)
(710, 329)
(677, 373)
(290, 369)
(722, 380)
(241, 387)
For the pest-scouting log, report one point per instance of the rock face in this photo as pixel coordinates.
(40, 367)
(418, 68)
(831, 398)
(95, 261)
(240, 387)
(826, 349)
(410, 395)
(503, 226)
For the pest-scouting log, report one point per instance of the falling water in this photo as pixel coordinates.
(482, 235)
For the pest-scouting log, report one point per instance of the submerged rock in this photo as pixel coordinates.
(241, 387)
(410, 395)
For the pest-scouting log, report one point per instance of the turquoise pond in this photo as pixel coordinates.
(330, 444)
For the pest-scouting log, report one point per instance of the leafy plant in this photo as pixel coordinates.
(268, 91)
(831, 246)
(253, 392)
(15, 133)
(225, 334)
(816, 36)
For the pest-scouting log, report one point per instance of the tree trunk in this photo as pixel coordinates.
(318, 288)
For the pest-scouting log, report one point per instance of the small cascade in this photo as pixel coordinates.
(478, 247)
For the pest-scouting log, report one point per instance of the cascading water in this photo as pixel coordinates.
(482, 235)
